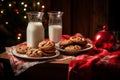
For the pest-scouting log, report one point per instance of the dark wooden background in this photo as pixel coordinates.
(82, 16)
(87, 16)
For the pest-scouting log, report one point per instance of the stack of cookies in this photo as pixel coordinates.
(45, 48)
(73, 43)
(48, 47)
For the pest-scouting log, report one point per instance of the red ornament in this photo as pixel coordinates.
(104, 39)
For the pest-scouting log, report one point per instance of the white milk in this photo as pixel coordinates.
(55, 32)
(35, 33)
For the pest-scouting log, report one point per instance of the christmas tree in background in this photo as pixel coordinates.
(13, 19)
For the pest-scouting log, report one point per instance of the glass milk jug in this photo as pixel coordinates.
(55, 25)
(35, 29)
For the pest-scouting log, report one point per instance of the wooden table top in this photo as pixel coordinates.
(65, 61)
(39, 71)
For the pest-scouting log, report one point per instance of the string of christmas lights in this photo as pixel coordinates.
(18, 8)
(13, 19)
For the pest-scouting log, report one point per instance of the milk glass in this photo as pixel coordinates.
(35, 29)
(55, 25)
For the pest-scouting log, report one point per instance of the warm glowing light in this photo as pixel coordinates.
(9, 4)
(38, 3)
(6, 22)
(2, 11)
(24, 9)
(19, 35)
(22, 3)
(25, 5)
(25, 17)
(43, 6)
(98, 36)
(17, 12)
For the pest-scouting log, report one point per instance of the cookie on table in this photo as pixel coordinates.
(65, 42)
(78, 40)
(46, 45)
(34, 53)
(22, 49)
(50, 51)
(73, 47)
(48, 54)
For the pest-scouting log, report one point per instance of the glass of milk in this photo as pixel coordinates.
(35, 29)
(55, 25)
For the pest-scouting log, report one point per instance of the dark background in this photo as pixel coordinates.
(114, 15)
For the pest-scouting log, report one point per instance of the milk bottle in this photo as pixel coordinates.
(55, 25)
(55, 32)
(35, 29)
